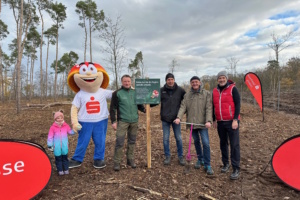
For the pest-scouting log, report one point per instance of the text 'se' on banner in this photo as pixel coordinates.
(25, 169)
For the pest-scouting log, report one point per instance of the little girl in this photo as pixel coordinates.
(58, 142)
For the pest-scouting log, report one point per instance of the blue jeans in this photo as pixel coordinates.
(62, 163)
(205, 156)
(166, 137)
(96, 131)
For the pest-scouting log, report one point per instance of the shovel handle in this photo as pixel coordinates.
(192, 123)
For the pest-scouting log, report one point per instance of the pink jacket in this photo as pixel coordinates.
(58, 138)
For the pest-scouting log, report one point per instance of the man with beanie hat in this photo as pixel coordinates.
(226, 106)
(222, 73)
(198, 108)
(171, 97)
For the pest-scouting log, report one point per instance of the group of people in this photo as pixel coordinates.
(203, 109)
(221, 109)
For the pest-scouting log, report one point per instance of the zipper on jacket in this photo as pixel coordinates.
(220, 93)
(230, 111)
(60, 137)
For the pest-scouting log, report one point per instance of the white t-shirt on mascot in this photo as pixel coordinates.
(92, 106)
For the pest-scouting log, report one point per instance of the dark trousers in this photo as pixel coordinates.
(226, 132)
(62, 163)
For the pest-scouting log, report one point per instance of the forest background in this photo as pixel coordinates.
(35, 63)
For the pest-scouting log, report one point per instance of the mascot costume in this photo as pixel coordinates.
(89, 113)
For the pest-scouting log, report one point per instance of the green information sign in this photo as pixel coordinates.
(147, 91)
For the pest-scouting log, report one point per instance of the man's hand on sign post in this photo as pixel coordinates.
(114, 126)
(177, 121)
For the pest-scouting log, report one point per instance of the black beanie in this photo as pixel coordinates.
(169, 75)
(195, 78)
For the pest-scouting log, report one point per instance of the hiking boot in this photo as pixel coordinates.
(198, 164)
(98, 164)
(116, 166)
(66, 172)
(74, 163)
(181, 161)
(131, 163)
(60, 173)
(208, 170)
(167, 160)
(225, 168)
(235, 174)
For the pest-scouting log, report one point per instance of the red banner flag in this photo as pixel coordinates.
(254, 85)
(286, 162)
(25, 169)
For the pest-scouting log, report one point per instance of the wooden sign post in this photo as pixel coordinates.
(147, 91)
(148, 135)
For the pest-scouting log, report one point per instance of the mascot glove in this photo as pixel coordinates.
(76, 127)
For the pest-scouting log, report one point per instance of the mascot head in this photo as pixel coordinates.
(88, 77)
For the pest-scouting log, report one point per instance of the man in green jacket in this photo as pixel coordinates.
(197, 105)
(123, 105)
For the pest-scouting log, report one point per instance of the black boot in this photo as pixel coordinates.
(235, 174)
(74, 163)
(131, 163)
(99, 164)
(167, 160)
(117, 166)
(225, 168)
(181, 161)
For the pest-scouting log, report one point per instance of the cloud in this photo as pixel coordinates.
(199, 34)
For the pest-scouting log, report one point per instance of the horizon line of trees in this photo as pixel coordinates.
(24, 82)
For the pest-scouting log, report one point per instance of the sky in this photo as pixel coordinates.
(200, 34)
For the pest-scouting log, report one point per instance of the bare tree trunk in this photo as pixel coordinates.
(116, 69)
(31, 79)
(63, 85)
(5, 78)
(18, 66)
(1, 71)
(55, 79)
(90, 23)
(41, 58)
(46, 76)
(85, 40)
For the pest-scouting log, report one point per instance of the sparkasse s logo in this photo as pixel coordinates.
(25, 169)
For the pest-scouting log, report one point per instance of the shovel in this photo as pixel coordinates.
(189, 155)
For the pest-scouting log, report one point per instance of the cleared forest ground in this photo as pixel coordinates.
(258, 141)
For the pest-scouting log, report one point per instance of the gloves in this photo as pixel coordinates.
(50, 148)
(76, 127)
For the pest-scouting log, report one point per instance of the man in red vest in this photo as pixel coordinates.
(226, 116)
